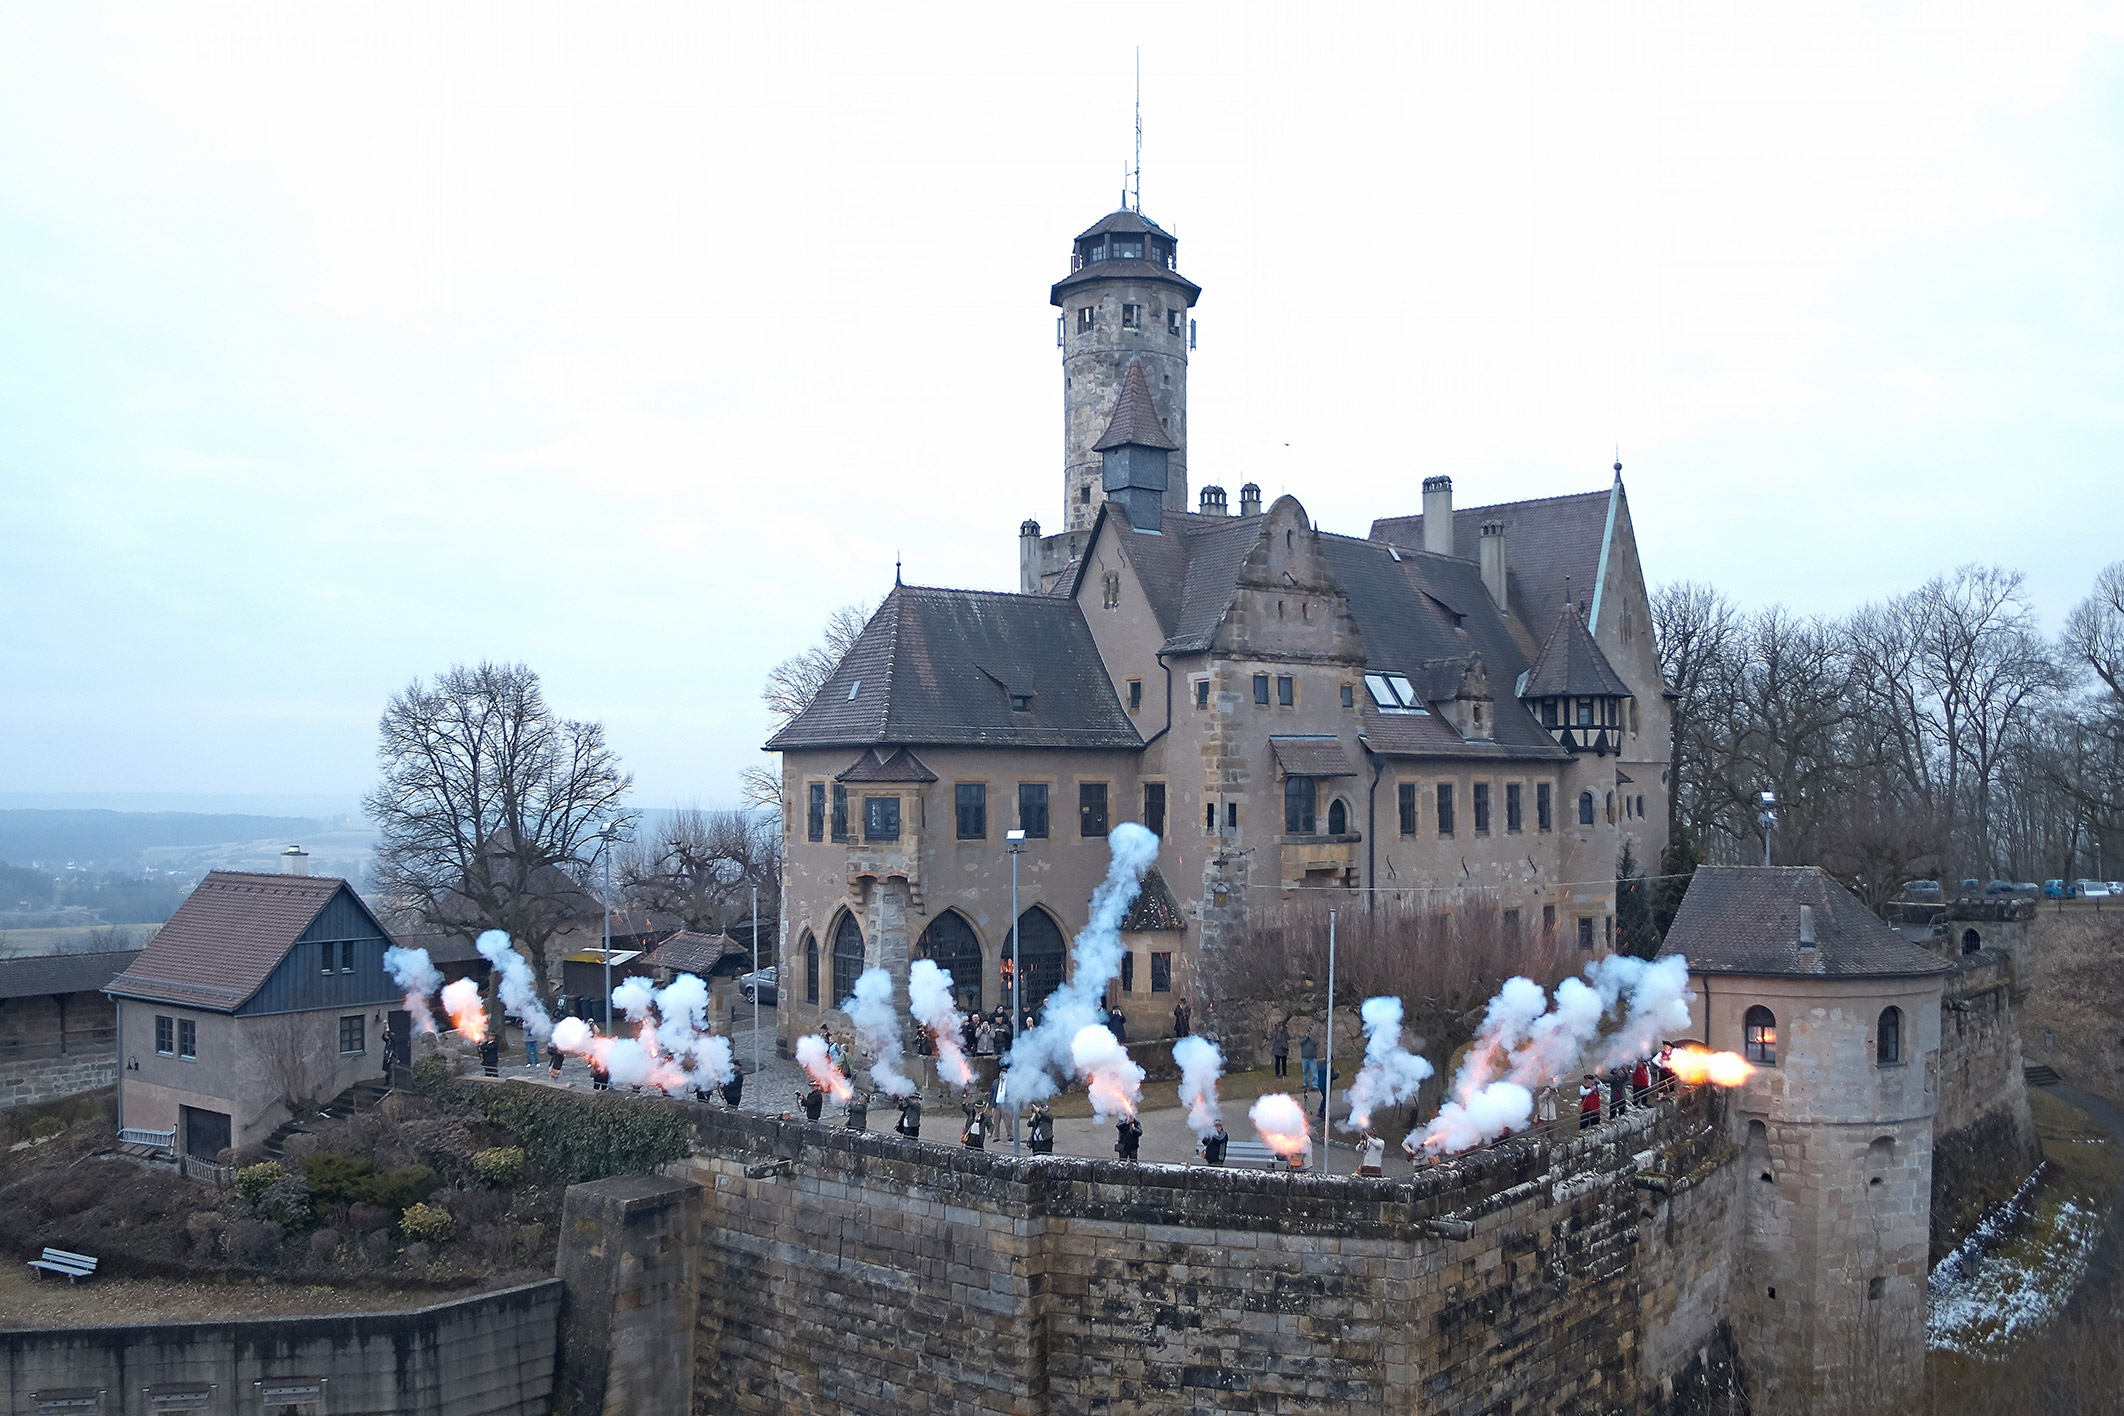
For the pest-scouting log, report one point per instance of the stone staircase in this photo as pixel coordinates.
(359, 1097)
(2036, 1074)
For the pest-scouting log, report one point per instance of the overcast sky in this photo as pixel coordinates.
(341, 343)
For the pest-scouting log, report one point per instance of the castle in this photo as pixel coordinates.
(1464, 706)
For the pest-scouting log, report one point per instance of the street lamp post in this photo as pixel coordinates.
(1767, 819)
(756, 981)
(1017, 974)
(606, 836)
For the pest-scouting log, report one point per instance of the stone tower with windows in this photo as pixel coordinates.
(1124, 302)
(1841, 1017)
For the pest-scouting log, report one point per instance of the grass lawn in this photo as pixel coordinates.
(27, 1302)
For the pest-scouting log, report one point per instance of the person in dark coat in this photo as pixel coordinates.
(910, 1122)
(1040, 1133)
(1183, 1019)
(390, 1047)
(600, 1075)
(554, 1058)
(1128, 1136)
(814, 1101)
(1214, 1145)
(974, 1134)
(1117, 1025)
(859, 1112)
(734, 1089)
(1618, 1092)
(490, 1056)
(1309, 1060)
(1280, 1047)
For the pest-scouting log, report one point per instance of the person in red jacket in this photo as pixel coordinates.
(1588, 1103)
(1641, 1082)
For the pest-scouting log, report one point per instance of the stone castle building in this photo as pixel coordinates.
(1464, 706)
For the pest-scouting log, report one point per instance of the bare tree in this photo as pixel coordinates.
(291, 1054)
(491, 806)
(791, 685)
(702, 866)
(1694, 627)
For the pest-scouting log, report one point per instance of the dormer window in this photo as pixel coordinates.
(1585, 712)
(1021, 703)
(1393, 693)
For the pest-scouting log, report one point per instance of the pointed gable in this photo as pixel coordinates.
(1571, 665)
(229, 935)
(1135, 422)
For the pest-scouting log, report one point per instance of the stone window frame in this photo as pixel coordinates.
(1479, 806)
(1131, 315)
(1349, 695)
(1588, 809)
(1515, 808)
(882, 817)
(1047, 807)
(1348, 809)
(1161, 971)
(1135, 695)
(1165, 806)
(959, 808)
(1888, 1038)
(1286, 690)
(1201, 685)
(1585, 934)
(1408, 815)
(1105, 819)
(1442, 810)
(1087, 318)
(1759, 1035)
(1544, 808)
(810, 950)
(1301, 805)
(815, 810)
(1175, 322)
(1261, 690)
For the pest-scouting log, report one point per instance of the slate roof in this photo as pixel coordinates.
(688, 952)
(1125, 221)
(1571, 664)
(1744, 919)
(901, 766)
(1311, 756)
(62, 973)
(1155, 908)
(938, 668)
(227, 936)
(1547, 541)
(1135, 422)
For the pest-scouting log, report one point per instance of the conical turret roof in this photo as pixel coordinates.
(1571, 665)
(1135, 422)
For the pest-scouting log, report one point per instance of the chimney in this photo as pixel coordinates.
(1493, 561)
(294, 861)
(1213, 502)
(1806, 939)
(1029, 558)
(1250, 500)
(1438, 515)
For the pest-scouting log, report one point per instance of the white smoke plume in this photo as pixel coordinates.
(1559, 1037)
(1504, 1029)
(929, 998)
(1496, 1110)
(713, 1064)
(519, 991)
(1200, 1065)
(412, 971)
(1044, 1054)
(1391, 1074)
(628, 1062)
(681, 1013)
(571, 1035)
(634, 997)
(1281, 1123)
(1658, 1004)
(1111, 1076)
(878, 1022)
(812, 1056)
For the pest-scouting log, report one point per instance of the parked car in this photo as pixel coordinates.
(2027, 887)
(1999, 887)
(1922, 890)
(2091, 889)
(2057, 890)
(1966, 888)
(759, 987)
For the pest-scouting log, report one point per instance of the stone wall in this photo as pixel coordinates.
(850, 1271)
(32, 1079)
(491, 1355)
(1984, 1142)
(630, 1256)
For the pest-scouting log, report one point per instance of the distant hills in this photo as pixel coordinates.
(182, 841)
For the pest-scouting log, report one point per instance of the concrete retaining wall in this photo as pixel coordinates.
(492, 1355)
(25, 1080)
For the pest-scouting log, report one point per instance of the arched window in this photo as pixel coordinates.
(949, 942)
(1338, 819)
(1759, 1035)
(1040, 953)
(811, 968)
(847, 957)
(1971, 941)
(1585, 808)
(1888, 1038)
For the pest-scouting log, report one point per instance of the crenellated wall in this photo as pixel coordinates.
(851, 1271)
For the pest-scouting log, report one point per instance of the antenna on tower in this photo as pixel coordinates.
(1139, 130)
